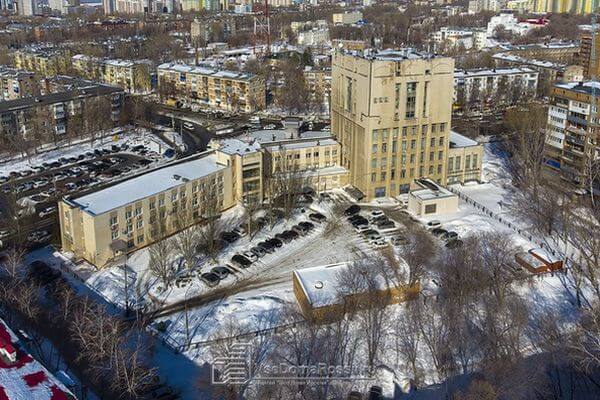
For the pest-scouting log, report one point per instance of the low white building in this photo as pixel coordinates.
(469, 38)
(428, 199)
(511, 24)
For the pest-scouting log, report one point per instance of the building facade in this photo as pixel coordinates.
(465, 158)
(391, 113)
(572, 136)
(347, 18)
(17, 84)
(45, 62)
(132, 76)
(226, 90)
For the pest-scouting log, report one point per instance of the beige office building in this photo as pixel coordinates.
(391, 111)
(142, 209)
(465, 157)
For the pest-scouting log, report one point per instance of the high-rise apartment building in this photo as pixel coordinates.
(391, 112)
(572, 137)
(589, 61)
(565, 6)
(26, 7)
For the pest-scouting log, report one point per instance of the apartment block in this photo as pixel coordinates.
(490, 83)
(16, 84)
(58, 110)
(318, 82)
(132, 76)
(390, 111)
(226, 90)
(572, 139)
(46, 62)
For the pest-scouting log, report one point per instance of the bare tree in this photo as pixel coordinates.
(285, 182)
(161, 262)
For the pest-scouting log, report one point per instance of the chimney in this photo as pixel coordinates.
(291, 126)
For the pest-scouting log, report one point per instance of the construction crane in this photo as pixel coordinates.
(262, 29)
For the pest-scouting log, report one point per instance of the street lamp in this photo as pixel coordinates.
(187, 323)
(119, 248)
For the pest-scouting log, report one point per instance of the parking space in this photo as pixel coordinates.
(28, 197)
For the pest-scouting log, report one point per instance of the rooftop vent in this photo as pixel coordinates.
(176, 177)
(318, 285)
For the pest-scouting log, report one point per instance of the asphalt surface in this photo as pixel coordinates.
(10, 220)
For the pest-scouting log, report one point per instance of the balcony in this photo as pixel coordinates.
(577, 120)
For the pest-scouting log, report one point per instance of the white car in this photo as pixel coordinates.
(270, 126)
(378, 244)
(250, 256)
(38, 236)
(4, 234)
(362, 228)
(377, 213)
(47, 211)
(39, 183)
(240, 231)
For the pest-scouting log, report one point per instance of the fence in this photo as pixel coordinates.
(503, 221)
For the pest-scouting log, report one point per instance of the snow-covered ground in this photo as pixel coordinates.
(255, 306)
(132, 137)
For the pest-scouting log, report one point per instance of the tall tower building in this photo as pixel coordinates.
(108, 6)
(26, 7)
(391, 111)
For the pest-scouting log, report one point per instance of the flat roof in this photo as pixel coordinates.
(467, 73)
(59, 97)
(324, 285)
(301, 144)
(589, 87)
(237, 146)
(390, 54)
(430, 190)
(457, 140)
(184, 68)
(264, 136)
(146, 185)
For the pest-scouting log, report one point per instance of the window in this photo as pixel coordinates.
(450, 164)
(443, 127)
(139, 224)
(348, 94)
(161, 202)
(152, 205)
(423, 129)
(467, 162)
(174, 196)
(380, 192)
(374, 149)
(397, 95)
(374, 135)
(138, 211)
(431, 170)
(373, 163)
(114, 220)
(127, 214)
(425, 98)
(140, 239)
(440, 154)
(413, 144)
(394, 146)
(411, 100)
(457, 162)
(384, 147)
(474, 161)
(441, 141)
(430, 208)
(373, 177)
(432, 142)
(439, 169)
(114, 235)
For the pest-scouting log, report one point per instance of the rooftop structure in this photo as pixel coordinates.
(184, 68)
(457, 140)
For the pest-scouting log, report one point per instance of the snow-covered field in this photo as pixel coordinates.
(132, 137)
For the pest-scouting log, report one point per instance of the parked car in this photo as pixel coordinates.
(210, 279)
(352, 210)
(356, 217)
(4, 234)
(220, 272)
(386, 225)
(377, 213)
(240, 231)
(284, 238)
(434, 223)
(376, 393)
(250, 256)
(438, 232)
(317, 217)
(47, 212)
(373, 236)
(241, 261)
(70, 186)
(230, 237)
(258, 251)
(450, 235)
(266, 247)
(307, 225)
(378, 243)
(275, 242)
(360, 222)
(362, 228)
(369, 232)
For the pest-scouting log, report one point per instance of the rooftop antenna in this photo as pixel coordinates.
(262, 28)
